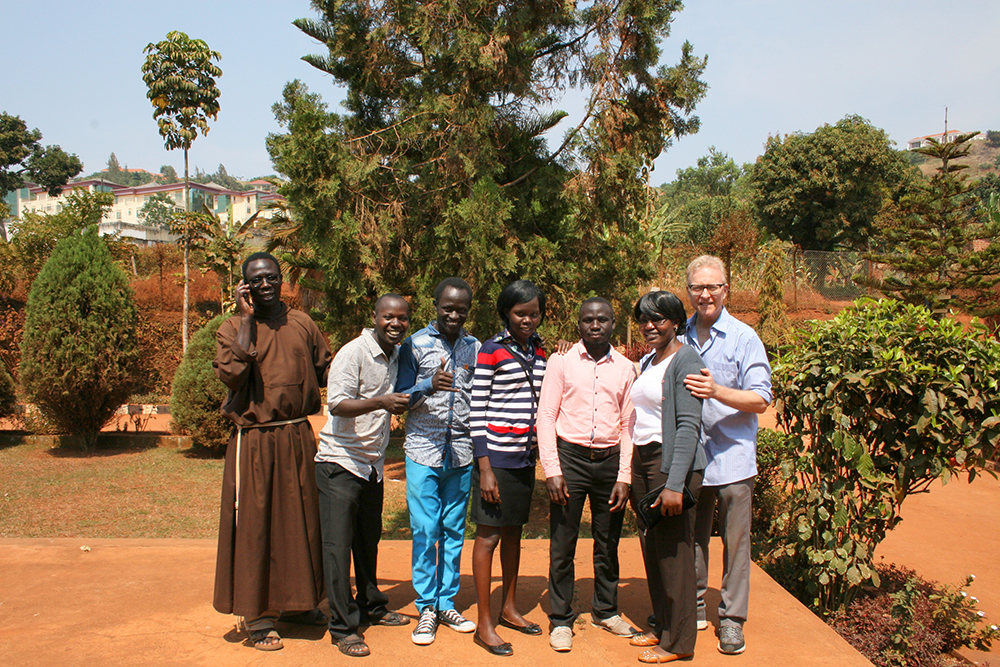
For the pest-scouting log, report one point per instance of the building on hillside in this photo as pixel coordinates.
(123, 217)
(151, 175)
(921, 142)
(263, 184)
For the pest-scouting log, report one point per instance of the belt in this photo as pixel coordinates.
(591, 453)
(239, 443)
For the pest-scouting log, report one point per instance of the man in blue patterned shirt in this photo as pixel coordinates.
(436, 366)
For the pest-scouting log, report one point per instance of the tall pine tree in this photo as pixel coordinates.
(441, 165)
(941, 248)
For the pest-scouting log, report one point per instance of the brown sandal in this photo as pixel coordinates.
(259, 638)
(353, 646)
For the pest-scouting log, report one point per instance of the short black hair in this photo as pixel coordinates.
(390, 295)
(455, 282)
(260, 255)
(658, 304)
(519, 291)
(598, 299)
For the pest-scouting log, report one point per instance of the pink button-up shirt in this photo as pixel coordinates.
(588, 403)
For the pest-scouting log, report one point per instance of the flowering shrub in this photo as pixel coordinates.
(909, 622)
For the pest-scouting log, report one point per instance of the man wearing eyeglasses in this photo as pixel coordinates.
(273, 360)
(736, 387)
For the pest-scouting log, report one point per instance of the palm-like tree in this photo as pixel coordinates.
(223, 246)
(298, 260)
(180, 74)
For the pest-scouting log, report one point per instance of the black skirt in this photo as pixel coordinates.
(516, 486)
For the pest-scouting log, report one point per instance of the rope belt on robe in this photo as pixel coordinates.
(239, 444)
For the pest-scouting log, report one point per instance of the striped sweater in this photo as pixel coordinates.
(502, 417)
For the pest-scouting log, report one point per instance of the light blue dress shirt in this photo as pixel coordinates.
(737, 359)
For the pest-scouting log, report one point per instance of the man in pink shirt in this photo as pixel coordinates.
(584, 443)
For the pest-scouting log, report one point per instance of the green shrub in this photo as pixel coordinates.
(8, 397)
(773, 326)
(79, 352)
(197, 394)
(770, 498)
(880, 401)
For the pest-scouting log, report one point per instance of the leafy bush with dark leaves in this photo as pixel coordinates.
(881, 402)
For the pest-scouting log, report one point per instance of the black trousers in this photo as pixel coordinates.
(594, 480)
(668, 553)
(350, 512)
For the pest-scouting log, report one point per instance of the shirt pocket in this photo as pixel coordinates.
(726, 373)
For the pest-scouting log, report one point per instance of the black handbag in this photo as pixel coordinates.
(651, 515)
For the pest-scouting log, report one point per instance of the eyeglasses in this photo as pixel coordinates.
(273, 279)
(713, 288)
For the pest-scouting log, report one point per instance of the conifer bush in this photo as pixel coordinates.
(197, 394)
(79, 352)
(8, 399)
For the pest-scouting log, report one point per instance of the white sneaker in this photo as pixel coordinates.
(616, 625)
(452, 619)
(561, 638)
(426, 628)
(702, 624)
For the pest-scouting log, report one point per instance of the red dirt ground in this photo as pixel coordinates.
(148, 602)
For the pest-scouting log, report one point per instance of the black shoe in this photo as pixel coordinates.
(499, 649)
(529, 629)
(651, 621)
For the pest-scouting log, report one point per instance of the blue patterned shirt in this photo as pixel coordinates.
(437, 425)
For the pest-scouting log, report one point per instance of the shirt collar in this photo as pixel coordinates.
(374, 348)
(720, 325)
(533, 341)
(433, 330)
(582, 350)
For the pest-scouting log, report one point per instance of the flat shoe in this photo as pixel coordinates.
(529, 629)
(651, 657)
(353, 646)
(499, 649)
(644, 639)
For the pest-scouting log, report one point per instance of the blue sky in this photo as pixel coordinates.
(72, 70)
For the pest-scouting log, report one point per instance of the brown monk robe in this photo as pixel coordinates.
(270, 557)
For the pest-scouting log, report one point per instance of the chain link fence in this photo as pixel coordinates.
(814, 280)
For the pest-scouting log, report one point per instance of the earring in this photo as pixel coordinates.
(675, 330)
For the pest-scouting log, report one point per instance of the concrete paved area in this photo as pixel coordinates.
(148, 602)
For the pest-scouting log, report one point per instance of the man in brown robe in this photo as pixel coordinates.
(273, 360)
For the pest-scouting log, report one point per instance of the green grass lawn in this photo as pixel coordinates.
(156, 492)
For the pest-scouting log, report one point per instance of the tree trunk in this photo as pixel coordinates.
(187, 249)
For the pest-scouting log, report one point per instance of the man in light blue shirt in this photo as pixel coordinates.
(436, 366)
(736, 387)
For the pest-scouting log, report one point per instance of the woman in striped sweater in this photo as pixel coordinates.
(505, 389)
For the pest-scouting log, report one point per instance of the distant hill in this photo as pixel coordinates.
(983, 159)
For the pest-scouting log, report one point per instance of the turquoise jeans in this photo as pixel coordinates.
(437, 498)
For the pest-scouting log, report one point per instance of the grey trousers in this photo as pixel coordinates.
(734, 527)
